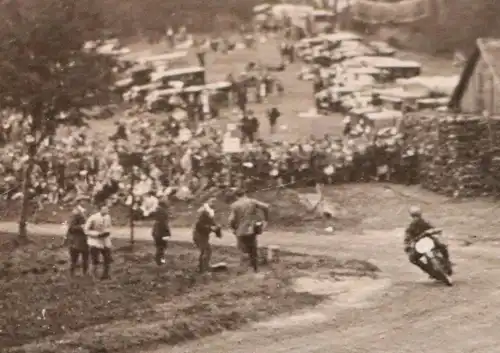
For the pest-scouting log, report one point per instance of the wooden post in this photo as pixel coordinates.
(131, 210)
(487, 116)
(229, 160)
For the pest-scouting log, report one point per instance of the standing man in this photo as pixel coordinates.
(203, 227)
(254, 125)
(161, 230)
(76, 240)
(247, 223)
(98, 229)
(241, 95)
(170, 37)
(245, 128)
(273, 114)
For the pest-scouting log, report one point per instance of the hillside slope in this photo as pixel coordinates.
(454, 24)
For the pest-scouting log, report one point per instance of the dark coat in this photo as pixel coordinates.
(205, 223)
(161, 227)
(76, 237)
(245, 212)
(416, 228)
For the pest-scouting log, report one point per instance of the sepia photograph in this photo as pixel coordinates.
(240, 176)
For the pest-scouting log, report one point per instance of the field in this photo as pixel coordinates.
(142, 305)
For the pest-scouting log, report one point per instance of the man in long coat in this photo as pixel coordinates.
(161, 231)
(204, 226)
(246, 220)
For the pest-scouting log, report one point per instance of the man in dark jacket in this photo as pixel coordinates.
(76, 240)
(161, 231)
(273, 114)
(245, 128)
(204, 226)
(246, 214)
(253, 128)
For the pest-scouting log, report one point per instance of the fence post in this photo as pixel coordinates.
(487, 116)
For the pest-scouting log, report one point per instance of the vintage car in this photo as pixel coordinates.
(395, 68)
(382, 48)
(189, 76)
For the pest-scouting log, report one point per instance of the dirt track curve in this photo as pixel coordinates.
(408, 314)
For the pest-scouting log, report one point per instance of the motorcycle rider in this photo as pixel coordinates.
(416, 228)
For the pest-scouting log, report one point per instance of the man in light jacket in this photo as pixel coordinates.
(205, 225)
(98, 230)
(247, 221)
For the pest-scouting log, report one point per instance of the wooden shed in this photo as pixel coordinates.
(479, 87)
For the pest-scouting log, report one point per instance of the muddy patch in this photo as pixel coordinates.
(352, 292)
(349, 293)
(297, 320)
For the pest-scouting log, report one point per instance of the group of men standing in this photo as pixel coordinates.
(89, 240)
(249, 124)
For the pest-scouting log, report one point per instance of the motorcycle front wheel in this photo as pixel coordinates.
(439, 273)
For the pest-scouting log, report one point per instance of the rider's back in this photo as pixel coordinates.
(416, 228)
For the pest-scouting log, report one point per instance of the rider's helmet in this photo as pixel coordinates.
(415, 211)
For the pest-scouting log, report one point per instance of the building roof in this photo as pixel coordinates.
(489, 50)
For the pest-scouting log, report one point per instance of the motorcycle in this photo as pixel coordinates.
(432, 258)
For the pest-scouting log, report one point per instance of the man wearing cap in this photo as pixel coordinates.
(246, 222)
(253, 128)
(98, 229)
(161, 231)
(245, 127)
(273, 114)
(76, 240)
(204, 226)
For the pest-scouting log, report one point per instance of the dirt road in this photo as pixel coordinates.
(407, 313)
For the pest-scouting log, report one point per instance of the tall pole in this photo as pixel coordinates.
(336, 14)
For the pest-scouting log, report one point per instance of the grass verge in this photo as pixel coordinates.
(287, 212)
(45, 311)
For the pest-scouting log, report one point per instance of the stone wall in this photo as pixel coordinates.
(459, 155)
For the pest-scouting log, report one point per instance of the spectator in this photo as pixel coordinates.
(170, 34)
(246, 213)
(204, 226)
(161, 231)
(76, 240)
(273, 114)
(254, 125)
(98, 229)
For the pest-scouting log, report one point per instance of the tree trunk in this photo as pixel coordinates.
(336, 26)
(23, 218)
